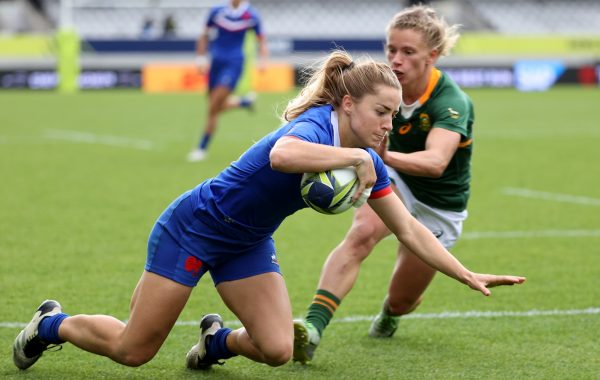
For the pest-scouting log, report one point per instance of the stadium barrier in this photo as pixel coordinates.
(160, 77)
(479, 60)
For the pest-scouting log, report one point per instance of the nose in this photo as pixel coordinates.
(387, 126)
(396, 59)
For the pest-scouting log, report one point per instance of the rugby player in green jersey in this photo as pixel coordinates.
(428, 158)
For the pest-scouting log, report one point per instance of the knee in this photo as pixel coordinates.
(134, 359)
(403, 305)
(361, 239)
(277, 355)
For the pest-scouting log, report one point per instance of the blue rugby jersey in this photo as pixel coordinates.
(250, 200)
(230, 27)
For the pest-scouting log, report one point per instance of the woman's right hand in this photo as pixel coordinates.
(365, 171)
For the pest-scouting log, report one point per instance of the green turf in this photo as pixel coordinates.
(84, 177)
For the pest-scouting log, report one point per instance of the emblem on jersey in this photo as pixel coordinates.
(425, 122)
(193, 265)
(453, 114)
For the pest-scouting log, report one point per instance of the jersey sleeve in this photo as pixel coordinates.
(257, 24)
(383, 186)
(210, 19)
(452, 113)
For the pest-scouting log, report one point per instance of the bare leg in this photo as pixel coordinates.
(409, 281)
(156, 304)
(262, 305)
(342, 267)
(217, 103)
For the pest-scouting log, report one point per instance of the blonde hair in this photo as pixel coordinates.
(338, 75)
(437, 33)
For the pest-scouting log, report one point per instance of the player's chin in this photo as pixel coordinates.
(377, 141)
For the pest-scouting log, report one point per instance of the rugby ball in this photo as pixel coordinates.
(331, 191)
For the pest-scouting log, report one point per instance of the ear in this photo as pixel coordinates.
(347, 104)
(433, 56)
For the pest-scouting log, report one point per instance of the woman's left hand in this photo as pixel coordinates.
(482, 282)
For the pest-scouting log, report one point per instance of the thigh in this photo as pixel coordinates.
(156, 305)
(262, 304)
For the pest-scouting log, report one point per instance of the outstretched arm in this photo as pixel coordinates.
(422, 242)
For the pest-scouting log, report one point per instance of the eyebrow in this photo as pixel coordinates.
(384, 106)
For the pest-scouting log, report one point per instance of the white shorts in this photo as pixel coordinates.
(445, 225)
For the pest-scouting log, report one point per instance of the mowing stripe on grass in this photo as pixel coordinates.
(556, 197)
(524, 234)
(442, 315)
(529, 234)
(91, 138)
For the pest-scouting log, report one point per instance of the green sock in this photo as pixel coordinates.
(321, 309)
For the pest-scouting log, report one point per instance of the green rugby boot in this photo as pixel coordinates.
(384, 325)
(306, 340)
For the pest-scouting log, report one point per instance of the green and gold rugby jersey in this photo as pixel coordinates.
(443, 105)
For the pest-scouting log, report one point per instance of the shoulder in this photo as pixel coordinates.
(449, 88)
(313, 125)
(320, 114)
(449, 94)
(253, 11)
(214, 11)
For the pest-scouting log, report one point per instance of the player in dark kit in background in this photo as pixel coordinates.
(223, 38)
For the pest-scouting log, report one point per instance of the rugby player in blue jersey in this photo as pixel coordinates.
(225, 226)
(223, 39)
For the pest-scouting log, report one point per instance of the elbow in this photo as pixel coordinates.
(279, 160)
(437, 170)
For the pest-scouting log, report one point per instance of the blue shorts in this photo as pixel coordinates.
(225, 73)
(186, 243)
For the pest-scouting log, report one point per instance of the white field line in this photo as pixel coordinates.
(442, 315)
(556, 197)
(91, 138)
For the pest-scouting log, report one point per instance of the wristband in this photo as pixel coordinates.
(363, 197)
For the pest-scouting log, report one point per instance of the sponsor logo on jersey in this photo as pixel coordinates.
(274, 260)
(405, 129)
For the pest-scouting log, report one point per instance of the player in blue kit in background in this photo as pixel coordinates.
(225, 226)
(223, 37)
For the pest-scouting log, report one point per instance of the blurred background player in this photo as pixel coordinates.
(429, 162)
(223, 37)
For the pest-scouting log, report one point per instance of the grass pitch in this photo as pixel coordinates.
(85, 176)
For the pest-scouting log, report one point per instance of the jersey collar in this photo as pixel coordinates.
(433, 81)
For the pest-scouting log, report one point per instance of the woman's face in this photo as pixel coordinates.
(370, 118)
(408, 55)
